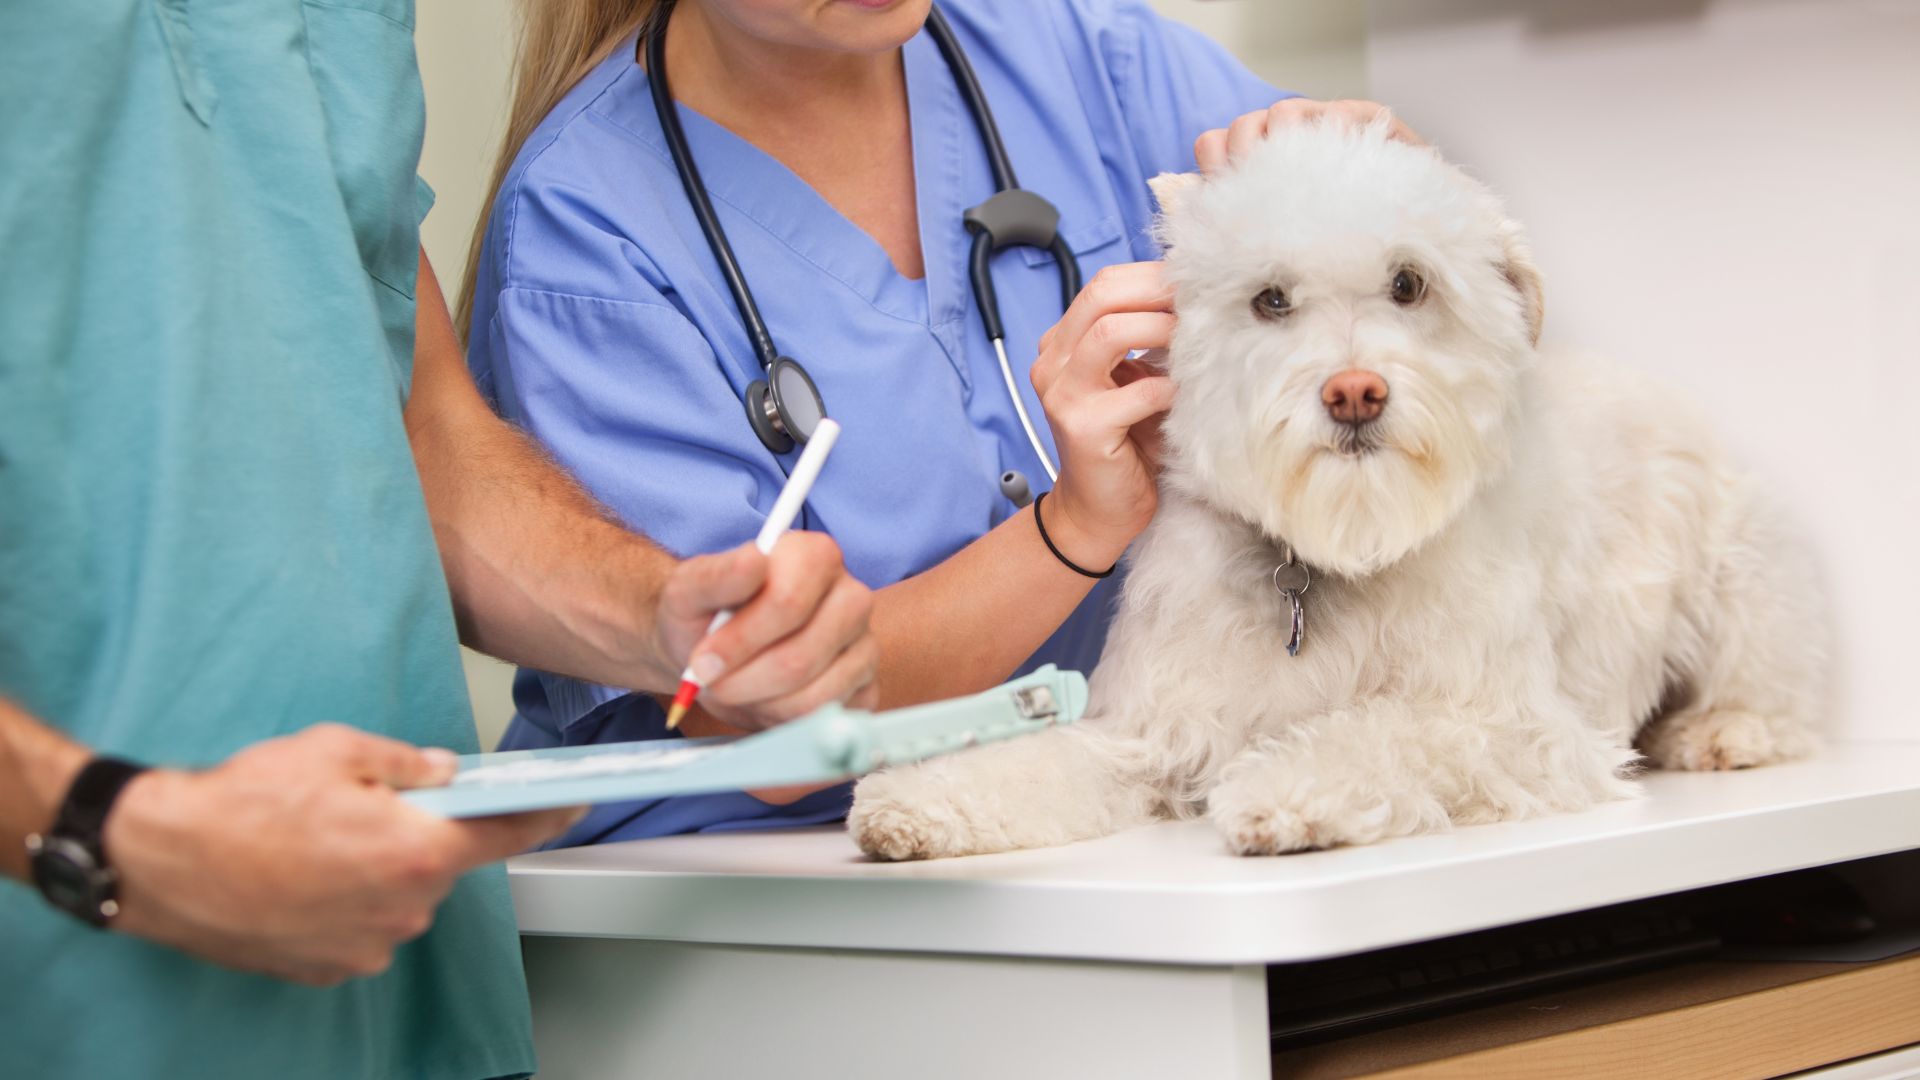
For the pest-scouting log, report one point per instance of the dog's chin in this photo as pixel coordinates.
(1355, 442)
(1361, 504)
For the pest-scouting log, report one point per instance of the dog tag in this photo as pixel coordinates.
(1299, 625)
(1292, 579)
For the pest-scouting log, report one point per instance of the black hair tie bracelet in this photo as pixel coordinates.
(1064, 561)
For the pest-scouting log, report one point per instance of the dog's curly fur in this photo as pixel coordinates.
(1525, 567)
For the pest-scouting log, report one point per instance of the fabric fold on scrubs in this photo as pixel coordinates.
(601, 324)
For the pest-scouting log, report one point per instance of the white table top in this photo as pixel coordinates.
(1171, 893)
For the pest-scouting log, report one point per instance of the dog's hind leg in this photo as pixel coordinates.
(1752, 666)
(1053, 788)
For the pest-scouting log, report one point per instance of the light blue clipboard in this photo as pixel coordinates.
(832, 743)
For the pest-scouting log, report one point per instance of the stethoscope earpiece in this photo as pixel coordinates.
(1013, 484)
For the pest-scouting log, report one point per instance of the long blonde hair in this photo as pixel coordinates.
(560, 41)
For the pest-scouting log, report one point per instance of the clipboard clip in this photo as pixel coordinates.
(1036, 703)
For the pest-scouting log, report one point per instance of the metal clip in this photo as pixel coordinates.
(1036, 703)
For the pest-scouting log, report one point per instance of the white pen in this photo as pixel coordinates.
(785, 509)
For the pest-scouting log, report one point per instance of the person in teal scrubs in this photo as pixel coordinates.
(246, 486)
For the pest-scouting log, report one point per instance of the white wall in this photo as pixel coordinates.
(465, 46)
(1726, 192)
(1315, 47)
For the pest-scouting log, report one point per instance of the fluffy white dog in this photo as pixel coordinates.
(1521, 566)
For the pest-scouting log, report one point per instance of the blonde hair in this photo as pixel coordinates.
(560, 41)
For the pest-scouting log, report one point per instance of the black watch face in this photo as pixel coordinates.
(70, 879)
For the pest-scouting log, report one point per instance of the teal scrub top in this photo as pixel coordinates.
(211, 531)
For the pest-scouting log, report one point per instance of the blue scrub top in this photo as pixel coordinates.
(602, 326)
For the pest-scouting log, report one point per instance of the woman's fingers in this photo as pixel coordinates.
(1210, 150)
(1246, 131)
(1122, 287)
(1107, 345)
(1366, 112)
(1133, 404)
(1221, 148)
(794, 664)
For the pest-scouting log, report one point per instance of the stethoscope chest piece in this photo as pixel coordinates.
(785, 407)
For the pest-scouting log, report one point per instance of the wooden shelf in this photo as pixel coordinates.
(1704, 1021)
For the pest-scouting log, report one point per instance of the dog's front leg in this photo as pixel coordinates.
(1321, 783)
(1379, 769)
(1052, 788)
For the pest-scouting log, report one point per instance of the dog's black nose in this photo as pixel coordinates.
(1354, 396)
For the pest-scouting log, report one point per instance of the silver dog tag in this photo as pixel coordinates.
(1292, 579)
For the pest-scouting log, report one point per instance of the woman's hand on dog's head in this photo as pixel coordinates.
(1216, 149)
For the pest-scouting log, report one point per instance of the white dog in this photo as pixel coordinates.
(1521, 566)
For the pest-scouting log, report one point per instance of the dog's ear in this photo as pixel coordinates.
(1517, 267)
(1170, 188)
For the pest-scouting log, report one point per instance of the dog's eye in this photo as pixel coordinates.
(1409, 288)
(1272, 303)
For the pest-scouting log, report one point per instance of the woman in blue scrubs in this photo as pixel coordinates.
(838, 151)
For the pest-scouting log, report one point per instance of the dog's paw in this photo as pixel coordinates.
(889, 822)
(1265, 830)
(1712, 741)
(1264, 812)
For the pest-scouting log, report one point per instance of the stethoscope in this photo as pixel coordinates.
(784, 405)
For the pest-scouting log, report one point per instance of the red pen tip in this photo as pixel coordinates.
(682, 701)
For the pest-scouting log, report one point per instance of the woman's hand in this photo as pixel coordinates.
(799, 636)
(1105, 411)
(1215, 150)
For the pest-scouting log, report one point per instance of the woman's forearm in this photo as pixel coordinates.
(969, 622)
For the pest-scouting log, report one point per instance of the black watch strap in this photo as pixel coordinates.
(83, 814)
(70, 860)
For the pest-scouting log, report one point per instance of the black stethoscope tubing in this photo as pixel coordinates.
(785, 405)
(757, 333)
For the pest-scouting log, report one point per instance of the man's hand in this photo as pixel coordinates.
(542, 576)
(1215, 150)
(798, 638)
(296, 857)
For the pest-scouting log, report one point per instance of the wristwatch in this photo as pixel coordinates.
(70, 860)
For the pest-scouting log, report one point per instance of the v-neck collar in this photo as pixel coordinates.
(758, 186)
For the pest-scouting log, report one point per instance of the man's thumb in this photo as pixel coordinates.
(705, 584)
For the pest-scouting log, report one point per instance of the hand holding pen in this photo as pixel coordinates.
(801, 639)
